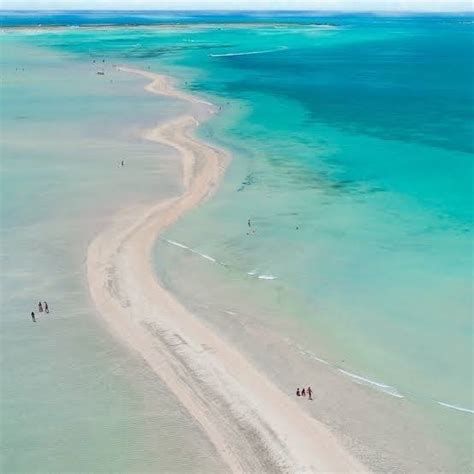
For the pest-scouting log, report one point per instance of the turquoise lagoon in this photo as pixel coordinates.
(352, 139)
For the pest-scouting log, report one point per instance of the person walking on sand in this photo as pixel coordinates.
(303, 392)
(298, 392)
(46, 308)
(33, 316)
(310, 393)
(40, 308)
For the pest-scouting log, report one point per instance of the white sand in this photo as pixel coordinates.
(254, 426)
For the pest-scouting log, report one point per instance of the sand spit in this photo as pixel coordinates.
(254, 426)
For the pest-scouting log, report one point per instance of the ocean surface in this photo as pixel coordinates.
(352, 139)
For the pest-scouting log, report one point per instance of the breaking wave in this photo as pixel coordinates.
(203, 255)
(266, 277)
(455, 407)
(379, 386)
(247, 53)
(213, 260)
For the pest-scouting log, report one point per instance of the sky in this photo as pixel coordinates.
(336, 5)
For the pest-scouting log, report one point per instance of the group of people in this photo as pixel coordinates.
(42, 307)
(303, 392)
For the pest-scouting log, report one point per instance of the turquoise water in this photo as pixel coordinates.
(353, 148)
(361, 136)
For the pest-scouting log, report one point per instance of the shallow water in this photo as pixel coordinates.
(353, 160)
(73, 400)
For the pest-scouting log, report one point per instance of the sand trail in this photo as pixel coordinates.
(254, 426)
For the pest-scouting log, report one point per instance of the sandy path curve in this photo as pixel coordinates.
(254, 426)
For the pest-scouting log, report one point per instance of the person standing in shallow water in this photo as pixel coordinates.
(46, 308)
(310, 393)
(40, 308)
(303, 392)
(33, 317)
(297, 392)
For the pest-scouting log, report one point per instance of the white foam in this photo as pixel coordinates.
(454, 407)
(325, 27)
(379, 386)
(172, 242)
(203, 255)
(312, 356)
(267, 277)
(246, 53)
(252, 272)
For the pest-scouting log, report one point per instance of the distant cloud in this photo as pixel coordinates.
(341, 5)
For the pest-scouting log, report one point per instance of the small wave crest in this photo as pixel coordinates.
(311, 355)
(253, 273)
(263, 276)
(266, 277)
(203, 255)
(172, 242)
(325, 26)
(455, 407)
(247, 53)
(207, 257)
(379, 386)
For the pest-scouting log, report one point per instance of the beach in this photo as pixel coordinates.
(215, 383)
(221, 211)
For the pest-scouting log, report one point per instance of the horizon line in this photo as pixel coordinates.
(228, 10)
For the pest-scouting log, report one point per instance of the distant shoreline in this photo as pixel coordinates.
(165, 26)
